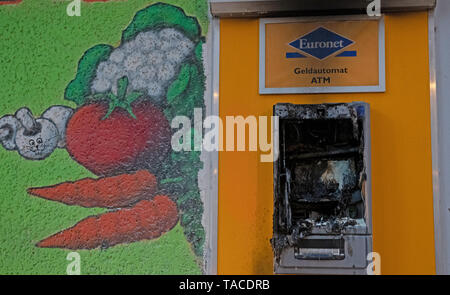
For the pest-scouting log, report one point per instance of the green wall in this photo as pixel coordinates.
(40, 49)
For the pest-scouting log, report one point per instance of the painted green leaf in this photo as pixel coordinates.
(79, 88)
(191, 97)
(161, 15)
(180, 84)
(199, 50)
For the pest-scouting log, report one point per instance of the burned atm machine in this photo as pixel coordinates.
(322, 220)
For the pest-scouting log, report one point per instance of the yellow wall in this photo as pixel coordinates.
(401, 153)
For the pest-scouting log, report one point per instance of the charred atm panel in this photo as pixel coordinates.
(322, 198)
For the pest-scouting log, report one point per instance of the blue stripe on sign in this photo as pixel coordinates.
(294, 55)
(347, 53)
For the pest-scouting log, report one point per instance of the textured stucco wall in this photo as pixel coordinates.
(141, 212)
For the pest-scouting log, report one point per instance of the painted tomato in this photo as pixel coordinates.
(118, 143)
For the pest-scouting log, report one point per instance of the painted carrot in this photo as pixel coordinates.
(108, 192)
(146, 220)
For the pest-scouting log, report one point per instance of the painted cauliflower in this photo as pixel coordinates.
(150, 61)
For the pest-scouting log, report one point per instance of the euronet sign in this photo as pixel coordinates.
(320, 43)
(321, 55)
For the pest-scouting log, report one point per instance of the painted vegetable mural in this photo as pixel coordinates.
(120, 130)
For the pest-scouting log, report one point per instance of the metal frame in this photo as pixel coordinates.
(277, 8)
(208, 177)
(440, 247)
(335, 89)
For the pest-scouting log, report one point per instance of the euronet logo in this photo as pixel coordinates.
(320, 44)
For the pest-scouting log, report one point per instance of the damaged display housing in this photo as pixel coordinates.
(322, 219)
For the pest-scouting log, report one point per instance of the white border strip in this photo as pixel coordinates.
(211, 158)
(335, 89)
(440, 255)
